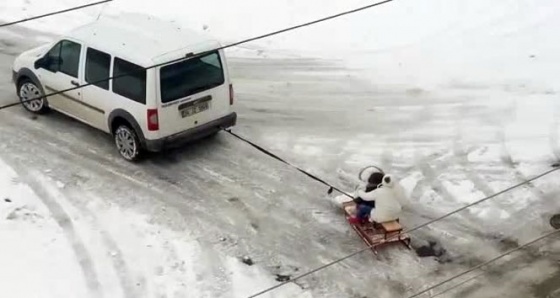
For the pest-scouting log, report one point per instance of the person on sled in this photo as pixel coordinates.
(386, 202)
(365, 202)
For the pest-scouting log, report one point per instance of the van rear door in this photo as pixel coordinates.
(192, 92)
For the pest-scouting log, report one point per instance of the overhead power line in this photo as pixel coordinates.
(54, 13)
(485, 263)
(458, 285)
(204, 53)
(406, 231)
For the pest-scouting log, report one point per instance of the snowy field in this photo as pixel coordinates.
(457, 98)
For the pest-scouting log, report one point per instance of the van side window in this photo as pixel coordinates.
(133, 84)
(70, 58)
(98, 66)
(64, 57)
(52, 58)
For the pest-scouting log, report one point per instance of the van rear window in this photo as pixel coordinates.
(191, 76)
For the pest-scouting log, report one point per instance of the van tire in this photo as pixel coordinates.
(127, 143)
(27, 89)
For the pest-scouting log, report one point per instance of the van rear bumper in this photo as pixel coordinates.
(192, 134)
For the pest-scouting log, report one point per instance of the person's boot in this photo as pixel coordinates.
(355, 220)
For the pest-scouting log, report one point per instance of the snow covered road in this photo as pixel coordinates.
(177, 224)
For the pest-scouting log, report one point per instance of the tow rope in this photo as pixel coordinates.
(312, 176)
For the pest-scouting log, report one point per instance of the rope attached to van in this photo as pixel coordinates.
(312, 176)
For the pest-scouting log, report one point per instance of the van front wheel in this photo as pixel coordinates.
(32, 97)
(127, 143)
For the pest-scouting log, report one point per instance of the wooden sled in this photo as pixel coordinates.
(377, 234)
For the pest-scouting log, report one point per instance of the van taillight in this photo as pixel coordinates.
(153, 123)
(230, 94)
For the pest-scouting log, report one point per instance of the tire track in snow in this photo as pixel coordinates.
(245, 205)
(463, 224)
(508, 161)
(212, 270)
(179, 265)
(479, 182)
(64, 221)
(92, 163)
(102, 165)
(544, 201)
(426, 181)
(122, 269)
(461, 156)
(174, 198)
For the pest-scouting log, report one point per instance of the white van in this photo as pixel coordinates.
(152, 108)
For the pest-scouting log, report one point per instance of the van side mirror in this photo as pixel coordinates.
(48, 63)
(40, 63)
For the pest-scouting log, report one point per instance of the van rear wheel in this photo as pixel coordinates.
(127, 143)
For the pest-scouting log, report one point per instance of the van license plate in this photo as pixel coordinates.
(201, 107)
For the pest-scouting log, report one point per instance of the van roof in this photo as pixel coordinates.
(142, 39)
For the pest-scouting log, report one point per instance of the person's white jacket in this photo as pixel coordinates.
(387, 206)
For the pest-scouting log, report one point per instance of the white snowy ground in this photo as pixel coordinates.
(458, 98)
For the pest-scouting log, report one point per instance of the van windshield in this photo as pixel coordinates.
(191, 76)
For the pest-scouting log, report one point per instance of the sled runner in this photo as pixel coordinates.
(377, 234)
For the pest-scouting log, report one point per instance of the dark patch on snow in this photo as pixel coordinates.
(167, 179)
(223, 239)
(233, 199)
(283, 278)
(22, 213)
(433, 249)
(34, 117)
(425, 251)
(285, 272)
(7, 200)
(430, 250)
(504, 243)
(12, 215)
(254, 226)
(415, 91)
(508, 244)
(556, 165)
(7, 44)
(555, 221)
(247, 261)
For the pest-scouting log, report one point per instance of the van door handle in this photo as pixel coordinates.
(75, 83)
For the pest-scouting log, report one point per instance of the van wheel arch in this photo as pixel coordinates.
(26, 74)
(121, 117)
